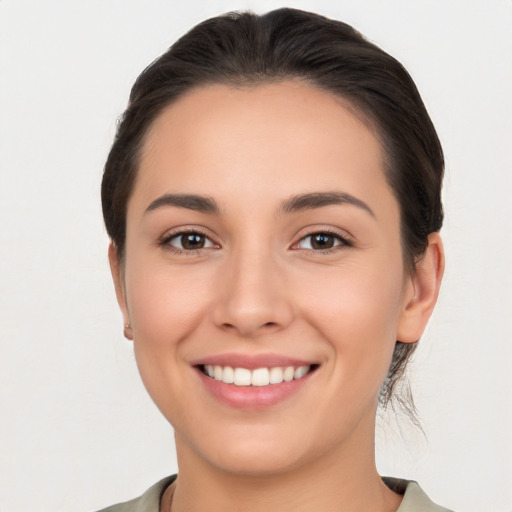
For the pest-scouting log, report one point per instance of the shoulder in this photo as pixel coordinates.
(148, 502)
(415, 499)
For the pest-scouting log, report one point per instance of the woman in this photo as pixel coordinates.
(273, 201)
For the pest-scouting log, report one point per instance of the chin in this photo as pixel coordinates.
(248, 452)
(258, 463)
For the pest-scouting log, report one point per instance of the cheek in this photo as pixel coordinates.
(356, 309)
(165, 303)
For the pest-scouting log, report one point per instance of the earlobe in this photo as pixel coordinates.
(128, 332)
(425, 284)
(117, 277)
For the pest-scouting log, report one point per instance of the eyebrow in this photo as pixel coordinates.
(320, 199)
(295, 203)
(190, 201)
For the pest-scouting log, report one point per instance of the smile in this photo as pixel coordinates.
(258, 377)
(254, 382)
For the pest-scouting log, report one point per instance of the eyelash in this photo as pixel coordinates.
(165, 242)
(344, 242)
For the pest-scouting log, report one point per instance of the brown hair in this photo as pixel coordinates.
(247, 49)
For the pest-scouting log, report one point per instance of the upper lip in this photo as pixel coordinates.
(251, 361)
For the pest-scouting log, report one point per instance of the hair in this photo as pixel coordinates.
(245, 49)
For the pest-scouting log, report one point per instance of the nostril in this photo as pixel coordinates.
(227, 325)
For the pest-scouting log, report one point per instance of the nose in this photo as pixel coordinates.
(253, 298)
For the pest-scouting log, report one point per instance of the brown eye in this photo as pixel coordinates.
(190, 241)
(321, 241)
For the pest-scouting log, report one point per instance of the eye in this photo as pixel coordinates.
(188, 241)
(321, 241)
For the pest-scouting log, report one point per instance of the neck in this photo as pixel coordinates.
(343, 479)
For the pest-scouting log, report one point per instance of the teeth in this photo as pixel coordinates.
(288, 373)
(259, 377)
(276, 375)
(300, 372)
(242, 377)
(228, 375)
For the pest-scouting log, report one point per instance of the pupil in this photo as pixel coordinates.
(322, 241)
(192, 241)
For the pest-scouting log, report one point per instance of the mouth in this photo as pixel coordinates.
(258, 377)
(254, 382)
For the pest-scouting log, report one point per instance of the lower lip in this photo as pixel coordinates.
(252, 397)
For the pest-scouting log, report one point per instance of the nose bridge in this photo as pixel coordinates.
(253, 298)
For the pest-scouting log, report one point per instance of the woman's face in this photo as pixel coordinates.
(263, 236)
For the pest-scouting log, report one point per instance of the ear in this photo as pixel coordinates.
(118, 278)
(423, 290)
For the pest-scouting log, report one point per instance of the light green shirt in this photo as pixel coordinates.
(415, 500)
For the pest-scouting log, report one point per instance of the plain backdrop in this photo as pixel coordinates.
(77, 430)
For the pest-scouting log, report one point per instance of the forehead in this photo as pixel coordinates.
(286, 138)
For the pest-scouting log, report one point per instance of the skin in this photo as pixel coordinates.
(258, 287)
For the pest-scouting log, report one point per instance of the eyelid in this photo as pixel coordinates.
(345, 239)
(169, 235)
